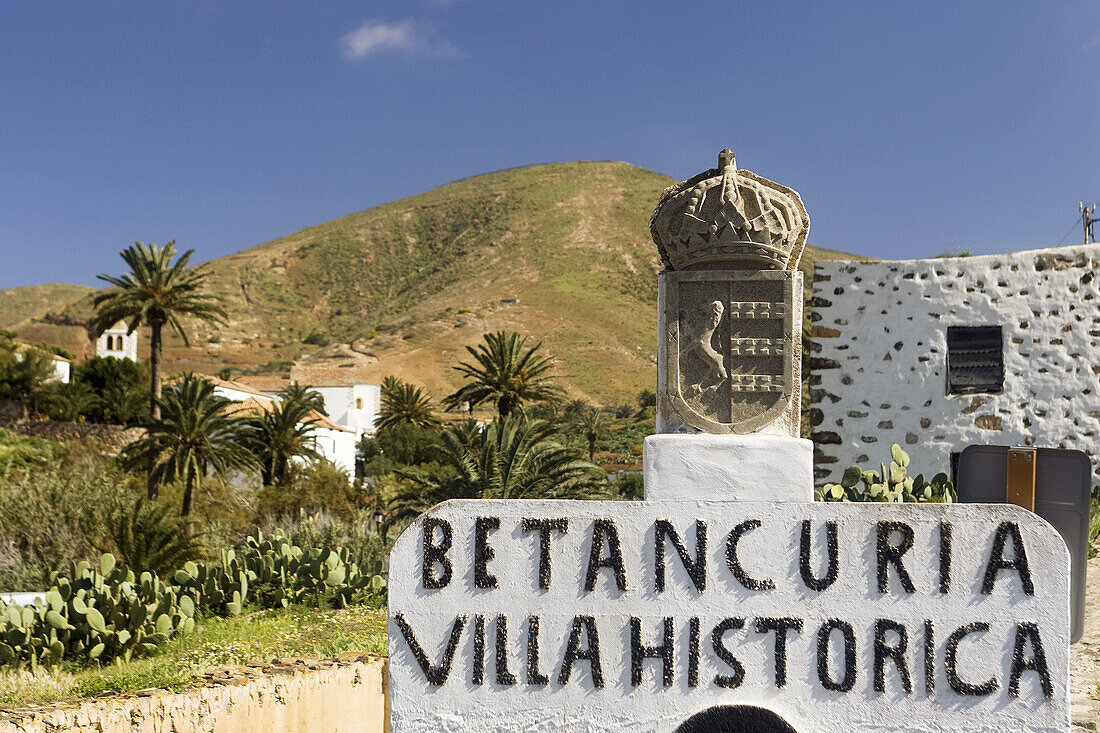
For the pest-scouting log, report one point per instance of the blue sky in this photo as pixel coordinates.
(908, 128)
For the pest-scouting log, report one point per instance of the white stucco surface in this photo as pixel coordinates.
(878, 359)
(116, 342)
(728, 467)
(771, 551)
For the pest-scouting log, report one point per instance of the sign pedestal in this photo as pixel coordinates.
(728, 468)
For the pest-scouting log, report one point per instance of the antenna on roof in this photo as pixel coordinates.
(1087, 221)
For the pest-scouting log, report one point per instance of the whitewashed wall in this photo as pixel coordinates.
(123, 345)
(355, 406)
(878, 357)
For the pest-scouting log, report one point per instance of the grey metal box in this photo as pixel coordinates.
(1063, 483)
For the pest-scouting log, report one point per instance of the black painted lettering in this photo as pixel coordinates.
(780, 626)
(605, 531)
(728, 681)
(929, 658)
(483, 553)
(435, 674)
(951, 659)
(477, 674)
(1028, 633)
(504, 677)
(997, 561)
(846, 683)
(693, 652)
(436, 553)
(639, 652)
(889, 554)
(945, 557)
(534, 676)
(735, 564)
(544, 527)
(895, 652)
(805, 561)
(591, 652)
(696, 567)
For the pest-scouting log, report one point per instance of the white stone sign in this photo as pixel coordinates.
(636, 616)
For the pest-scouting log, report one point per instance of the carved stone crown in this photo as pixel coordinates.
(726, 219)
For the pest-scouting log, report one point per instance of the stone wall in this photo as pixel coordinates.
(298, 695)
(878, 356)
(112, 436)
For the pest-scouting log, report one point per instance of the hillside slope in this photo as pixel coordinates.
(34, 301)
(558, 251)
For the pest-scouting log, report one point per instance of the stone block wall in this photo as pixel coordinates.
(878, 371)
(294, 695)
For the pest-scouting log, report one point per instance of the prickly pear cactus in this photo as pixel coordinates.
(891, 484)
(94, 613)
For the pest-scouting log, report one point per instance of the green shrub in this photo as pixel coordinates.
(629, 486)
(21, 451)
(57, 512)
(889, 485)
(308, 489)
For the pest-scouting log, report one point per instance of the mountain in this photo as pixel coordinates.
(35, 301)
(558, 251)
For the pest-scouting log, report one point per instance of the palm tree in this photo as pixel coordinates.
(122, 404)
(147, 537)
(404, 404)
(513, 458)
(297, 392)
(590, 421)
(156, 292)
(468, 432)
(507, 372)
(279, 435)
(194, 437)
(72, 401)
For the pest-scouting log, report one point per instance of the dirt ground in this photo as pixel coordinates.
(1084, 658)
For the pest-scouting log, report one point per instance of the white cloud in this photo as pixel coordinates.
(404, 37)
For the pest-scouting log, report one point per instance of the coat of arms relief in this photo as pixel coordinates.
(731, 300)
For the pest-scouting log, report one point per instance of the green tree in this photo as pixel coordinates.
(279, 435)
(590, 422)
(25, 377)
(513, 458)
(400, 445)
(507, 372)
(404, 404)
(157, 292)
(194, 437)
(121, 386)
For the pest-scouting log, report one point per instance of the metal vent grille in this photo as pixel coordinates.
(975, 359)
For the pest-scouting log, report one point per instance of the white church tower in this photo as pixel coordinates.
(117, 343)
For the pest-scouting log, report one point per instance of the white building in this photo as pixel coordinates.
(939, 354)
(354, 406)
(116, 342)
(335, 442)
(62, 367)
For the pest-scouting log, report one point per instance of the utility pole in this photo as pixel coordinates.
(1087, 221)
